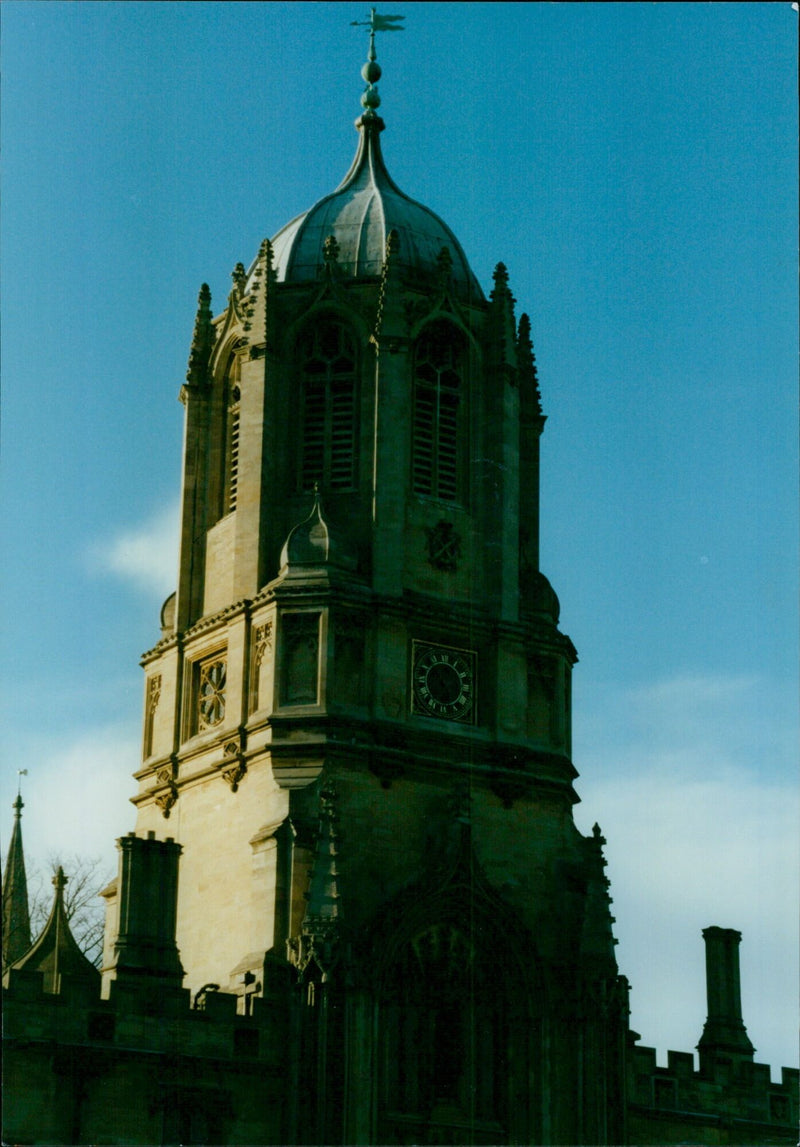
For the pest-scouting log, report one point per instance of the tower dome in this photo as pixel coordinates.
(362, 211)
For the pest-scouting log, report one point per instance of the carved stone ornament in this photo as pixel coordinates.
(239, 277)
(262, 638)
(234, 775)
(444, 265)
(386, 768)
(510, 789)
(330, 249)
(165, 800)
(153, 693)
(444, 547)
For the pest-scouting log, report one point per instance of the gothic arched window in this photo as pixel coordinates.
(444, 1042)
(232, 449)
(327, 360)
(439, 425)
(227, 452)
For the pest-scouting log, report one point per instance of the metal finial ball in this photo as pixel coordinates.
(370, 98)
(371, 71)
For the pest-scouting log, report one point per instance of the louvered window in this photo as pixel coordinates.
(232, 466)
(226, 447)
(438, 414)
(328, 365)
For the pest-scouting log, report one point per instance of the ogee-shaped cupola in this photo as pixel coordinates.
(360, 215)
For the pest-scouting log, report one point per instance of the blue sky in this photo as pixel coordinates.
(634, 166)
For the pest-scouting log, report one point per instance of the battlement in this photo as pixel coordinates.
(83, 1064)
(678, 1103)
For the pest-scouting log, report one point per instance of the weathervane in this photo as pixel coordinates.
(18, 804)
(371, 71)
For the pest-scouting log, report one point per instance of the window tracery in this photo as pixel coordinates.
(443, 1034)
(151, 704)
(210, 693)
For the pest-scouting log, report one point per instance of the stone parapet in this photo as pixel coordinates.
(736, 1103)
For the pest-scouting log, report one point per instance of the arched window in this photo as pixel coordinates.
(327, 358)
(444, 1042)
(439, 416)
(227, 485)
(232, 450)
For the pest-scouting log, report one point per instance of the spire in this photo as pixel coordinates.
(258, 308)
(56, 952)
(16, 918)
(526, 365)
(501, 326)
(202, 339)
(371, 71)
(597, 945)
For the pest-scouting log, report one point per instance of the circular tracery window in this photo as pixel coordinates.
(211, 694)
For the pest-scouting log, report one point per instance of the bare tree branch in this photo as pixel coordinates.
(82, 904)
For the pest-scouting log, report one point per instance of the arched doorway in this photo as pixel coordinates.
(443, 1041)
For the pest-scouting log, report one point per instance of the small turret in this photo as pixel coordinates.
(312, 546)
(56, 953)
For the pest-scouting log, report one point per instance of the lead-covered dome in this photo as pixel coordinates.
(360, 214)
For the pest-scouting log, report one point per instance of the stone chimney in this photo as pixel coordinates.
(145, 950)
(724, 1040)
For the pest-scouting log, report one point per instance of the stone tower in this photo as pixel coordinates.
(357, 718)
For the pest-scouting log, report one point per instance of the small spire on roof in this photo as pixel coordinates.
(56, 953)
(371, 72)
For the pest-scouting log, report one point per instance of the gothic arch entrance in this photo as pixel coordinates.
(442, 1042)
(457, 1022)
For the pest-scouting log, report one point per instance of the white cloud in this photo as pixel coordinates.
(77, 793)
(701, 823)
(686, 723)
(145, 555)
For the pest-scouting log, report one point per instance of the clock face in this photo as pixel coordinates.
(444, 682)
